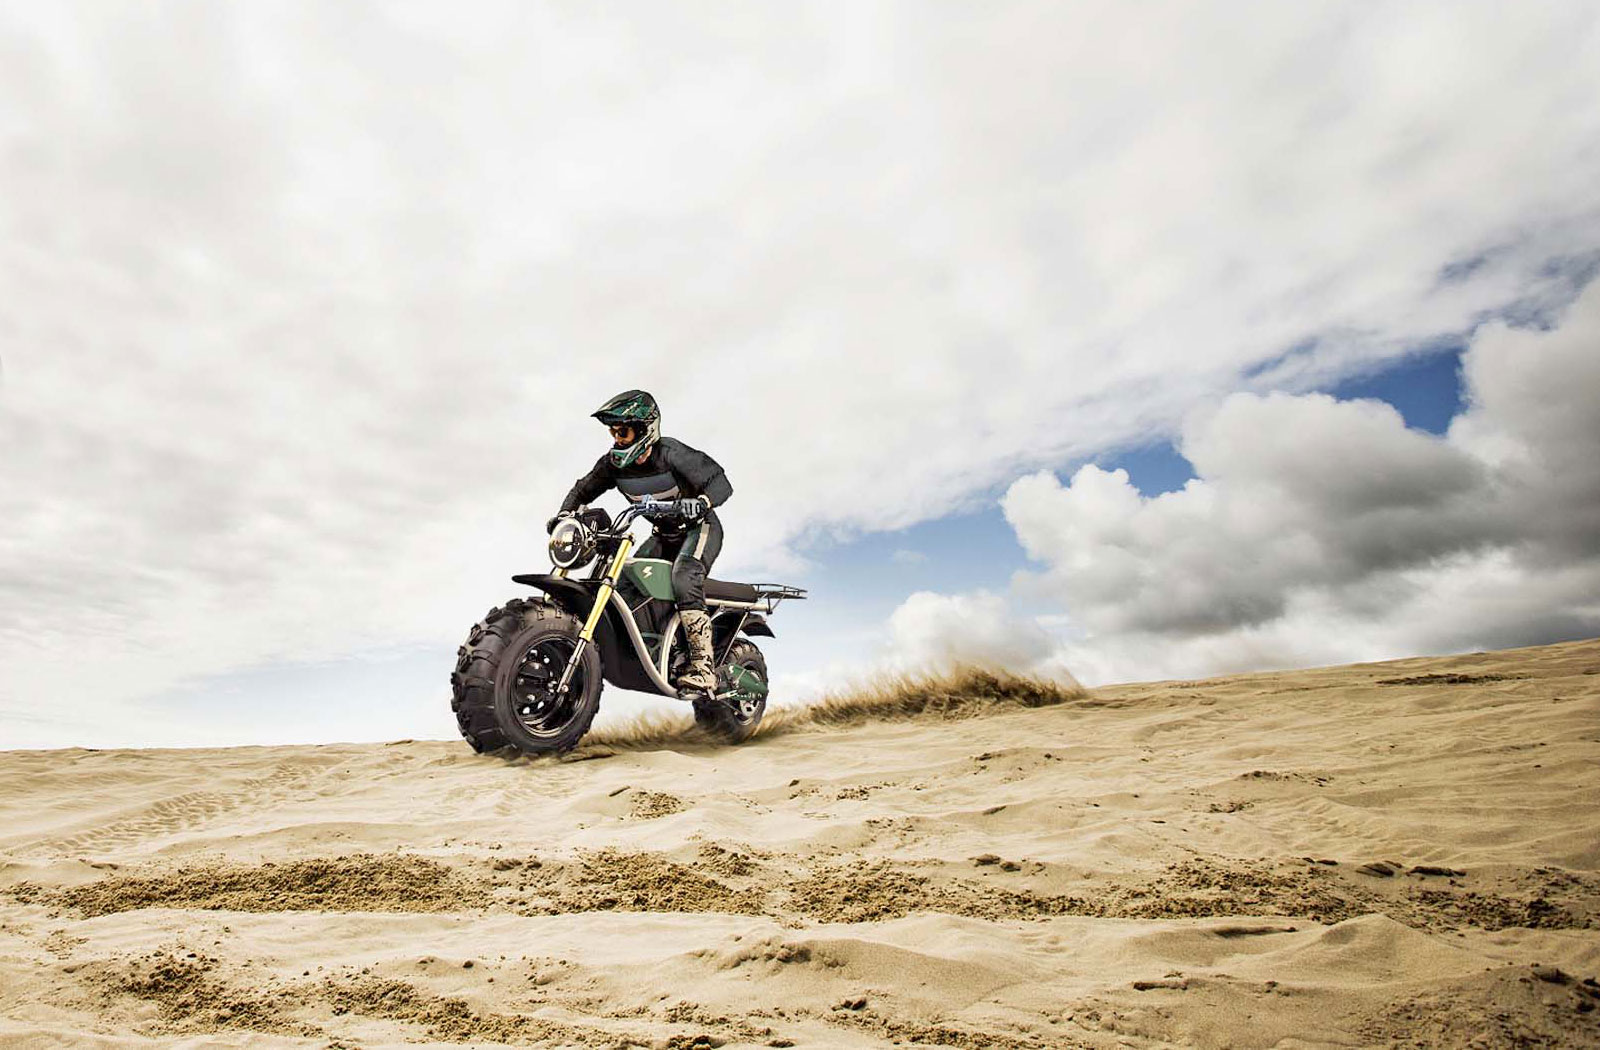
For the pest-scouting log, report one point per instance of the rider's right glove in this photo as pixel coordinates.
(550, 526)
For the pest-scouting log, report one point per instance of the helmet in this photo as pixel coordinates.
(636, 409)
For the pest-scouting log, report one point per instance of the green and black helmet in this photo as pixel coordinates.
(635, 422)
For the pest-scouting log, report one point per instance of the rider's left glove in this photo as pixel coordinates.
(692, 510)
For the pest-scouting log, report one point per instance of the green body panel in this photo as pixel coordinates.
(653, 576)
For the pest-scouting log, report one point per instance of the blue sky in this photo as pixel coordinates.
(978, 549)
(300, 340)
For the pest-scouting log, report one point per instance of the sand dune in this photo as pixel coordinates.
(1388, 854)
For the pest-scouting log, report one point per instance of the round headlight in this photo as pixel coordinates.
(571, 544)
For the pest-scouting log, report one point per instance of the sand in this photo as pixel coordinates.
(1376, 855)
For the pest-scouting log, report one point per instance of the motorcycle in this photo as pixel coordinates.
(530, 673)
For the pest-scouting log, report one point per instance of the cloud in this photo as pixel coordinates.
(1321, 531)
(1292, 490)
(938, 630)
(303, 307)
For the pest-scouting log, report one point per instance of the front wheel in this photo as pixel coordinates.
(735, 720)
(504, 688)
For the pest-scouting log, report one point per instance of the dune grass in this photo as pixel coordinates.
(960, 692)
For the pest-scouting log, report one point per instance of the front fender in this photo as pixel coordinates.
(570, 595)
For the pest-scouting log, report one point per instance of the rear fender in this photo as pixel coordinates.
(727, 627)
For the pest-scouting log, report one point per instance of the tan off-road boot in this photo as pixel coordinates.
(700, 676)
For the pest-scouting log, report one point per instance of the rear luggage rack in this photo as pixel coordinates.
(778, 590)
(773, 593)
(764, 596)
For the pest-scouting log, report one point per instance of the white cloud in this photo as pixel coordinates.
(303, 306)
(1293, 490)
(1324, 531)
(930, 631)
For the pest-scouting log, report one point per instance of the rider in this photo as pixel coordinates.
(643, 464)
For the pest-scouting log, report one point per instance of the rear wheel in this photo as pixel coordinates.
(735, 721)
(503, 689)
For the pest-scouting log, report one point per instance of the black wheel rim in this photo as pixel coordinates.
(533, 687)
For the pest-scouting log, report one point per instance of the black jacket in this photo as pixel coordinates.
(673, 471)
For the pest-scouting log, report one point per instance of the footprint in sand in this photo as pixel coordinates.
(648, 805)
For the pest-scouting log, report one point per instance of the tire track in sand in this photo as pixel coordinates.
(176, 814)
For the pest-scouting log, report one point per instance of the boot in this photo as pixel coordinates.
(700, 676)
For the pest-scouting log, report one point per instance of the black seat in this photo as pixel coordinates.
(730, 592)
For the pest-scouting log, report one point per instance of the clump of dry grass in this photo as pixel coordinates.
(961, 692)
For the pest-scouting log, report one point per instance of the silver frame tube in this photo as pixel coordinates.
(669, 632)
(748, 606)
(657, 678)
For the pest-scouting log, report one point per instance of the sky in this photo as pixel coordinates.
(1121, 342)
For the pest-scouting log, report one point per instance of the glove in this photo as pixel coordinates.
(692, 510)
(550, 526)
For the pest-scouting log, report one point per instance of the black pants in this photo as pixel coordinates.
(691, 554)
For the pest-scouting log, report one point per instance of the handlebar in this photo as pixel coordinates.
(636, 511)
(632, 513)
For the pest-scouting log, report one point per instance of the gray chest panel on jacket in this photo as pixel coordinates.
(658, 486)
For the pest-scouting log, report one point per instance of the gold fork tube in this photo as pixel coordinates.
(609, 584)
(602, 598)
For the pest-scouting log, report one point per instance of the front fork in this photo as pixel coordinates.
(602, 598)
